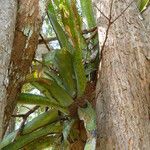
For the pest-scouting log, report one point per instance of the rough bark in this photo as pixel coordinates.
(146, 23)
(29, 20)
(122, 101)
(146, 19)
(8, 9)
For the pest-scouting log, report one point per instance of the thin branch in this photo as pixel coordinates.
(110, 23)
(95, 46)
(40, 62)
(45, 42)
(19, 116)
(89, 30)
(101, 12)
(48, 67)
(85, 31)
(26, 107)
(106, 37)
(107, 30)
(92, 36)
(122, 12)
(25, 116)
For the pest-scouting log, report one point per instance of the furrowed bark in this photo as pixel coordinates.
(29, 20)
(122, 101)
(8, 9)
(146, 19)
(146, 22)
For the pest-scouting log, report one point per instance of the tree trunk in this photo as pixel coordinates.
(122, 87)
(146, 19)
(146, 22)
(8, 9)
(29, 21)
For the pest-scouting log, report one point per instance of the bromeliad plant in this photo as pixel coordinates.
(64, 83)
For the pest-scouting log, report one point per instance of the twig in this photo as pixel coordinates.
(95, 46)
(122, 12)
(107, 30)
(92, 36)
(45, 42)
(89, 30)
(40, 62)
(85, 31)
(110, 23)
(25, 116)
(48, 67)
(101, 12)
(26, 107)
(19, 116)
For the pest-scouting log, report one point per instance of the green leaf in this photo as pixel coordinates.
(88, 115)
(62, 97)
(72, 23)
(90, 144)
(43, 91)
(21, 141)
(8, 139)
(36, 123)
(142, 4)
(61, 35)
(48, 58)
(32, 99)
(79, 72)
(66, 131)
(91, 67)
(67, 128)
(45, 143)
(50, 74)
(65, 67)
(40, 121)
(87, 10)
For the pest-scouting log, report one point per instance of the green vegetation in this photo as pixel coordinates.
(62, 81)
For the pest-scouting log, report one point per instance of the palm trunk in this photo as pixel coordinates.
(122, 101)
(8, 10)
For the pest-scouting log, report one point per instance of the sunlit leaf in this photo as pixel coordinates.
(36, 123)
(59, 94)
(142, 4)
(63, 40)
(33, 99)
(72, 23)
(40, 121)
(87, 10)
(28, 138)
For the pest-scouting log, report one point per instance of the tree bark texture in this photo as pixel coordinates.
(8, 9)
(146, 22)
(146, 19)
(29, 21)
(122, 87)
